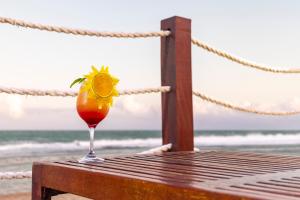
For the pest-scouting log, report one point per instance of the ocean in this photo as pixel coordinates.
(18, 149)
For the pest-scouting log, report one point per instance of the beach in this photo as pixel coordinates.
(18, 196)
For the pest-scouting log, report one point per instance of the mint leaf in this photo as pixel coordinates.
(78, 80)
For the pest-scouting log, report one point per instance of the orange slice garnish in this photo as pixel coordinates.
(103, 85)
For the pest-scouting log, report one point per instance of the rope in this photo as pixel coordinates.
(163, 148)
(146, 90)
(241, 60)
(15, 175)
(32, 92)
(238, 108)
(162, 89)
(59, 93)
(196, 42)
(73, 31)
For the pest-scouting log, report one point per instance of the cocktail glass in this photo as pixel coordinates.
(90, 111)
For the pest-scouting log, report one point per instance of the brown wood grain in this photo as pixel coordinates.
(176, 71)
(36, 192)
(100, 186)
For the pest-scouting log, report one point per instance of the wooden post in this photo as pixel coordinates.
(177, 105)
(37, 190)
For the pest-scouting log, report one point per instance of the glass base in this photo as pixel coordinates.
(90, 158)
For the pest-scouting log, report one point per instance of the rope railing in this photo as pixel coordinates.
(15, 175)
(163, 33)
(60, 29)
(162, 89)
(59, 93)
(241, 60)
(242, 109)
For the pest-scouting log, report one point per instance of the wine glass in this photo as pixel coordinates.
(90, 111)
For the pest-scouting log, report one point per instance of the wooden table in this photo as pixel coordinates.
(174, 175)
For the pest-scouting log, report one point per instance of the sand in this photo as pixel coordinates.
(19, 196)
(27, 196)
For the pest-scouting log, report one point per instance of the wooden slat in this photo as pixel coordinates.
(147, 164)
(212, 165)
(205, 166)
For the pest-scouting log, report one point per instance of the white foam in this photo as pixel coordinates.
(213, 140)
(249, 139)
(78, 145)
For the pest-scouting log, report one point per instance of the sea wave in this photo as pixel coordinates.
(251, 139)
(78, 145)
(213, 140)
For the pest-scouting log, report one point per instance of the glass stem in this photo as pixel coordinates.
(92, 133)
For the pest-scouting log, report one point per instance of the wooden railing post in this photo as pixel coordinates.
(177, 105)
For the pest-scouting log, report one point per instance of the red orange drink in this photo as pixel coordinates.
(89, 110)
(93, 102)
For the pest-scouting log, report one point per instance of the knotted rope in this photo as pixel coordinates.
(15, 175)
(241, 60)
(238, 108)
(161, 89)
(161, 149)
(60, 29)
(146, 90)
(59, 93)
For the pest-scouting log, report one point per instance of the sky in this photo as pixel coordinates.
(262, 31)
